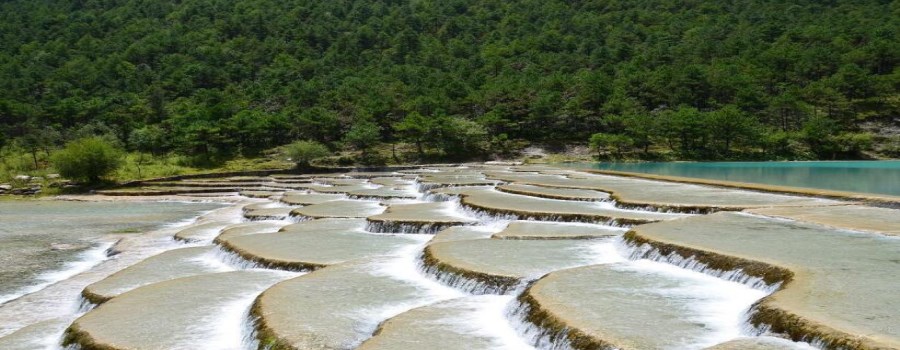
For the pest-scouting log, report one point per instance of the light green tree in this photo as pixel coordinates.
(304, 152)
(87, 159)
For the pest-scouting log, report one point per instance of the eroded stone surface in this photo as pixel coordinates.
(169, 314)
(462, 233)
(383, 193)
(761, 343)
(333, 308)
(390, 181)
(432, 215)
(456, 191)
(556, 230)
(342, 181)
(309, 198)
(469, 178)
(260, 194)
(852, 217)
(292, 178)
(340, 189)
(451, 324)
(839, 282)
(373, 174)
(340, 209)
(349, 302)
(555, 192)
(303, 250)
(260, 205)
(41, 335)
(611, 306)
(248, 228)
(281, 186)
(276, 213)
(530, 207)
(662, 195)
(168, 265)
(494, 265)
(163, 191)
(318, 225)
(200, 232)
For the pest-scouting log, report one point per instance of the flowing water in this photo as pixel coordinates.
(52, 250)
(49, 241)
(881, 177)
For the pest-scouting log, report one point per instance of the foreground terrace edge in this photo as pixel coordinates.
(764, 313)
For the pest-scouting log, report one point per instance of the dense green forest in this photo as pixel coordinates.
(454, 79)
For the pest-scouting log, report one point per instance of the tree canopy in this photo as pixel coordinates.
(87, 159)
(216, 78)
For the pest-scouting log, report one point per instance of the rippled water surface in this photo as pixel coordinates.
(881, 177)
(197, 295)
(44, 241)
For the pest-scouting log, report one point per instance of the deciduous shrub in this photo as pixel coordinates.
(87, 159)
(303, 152)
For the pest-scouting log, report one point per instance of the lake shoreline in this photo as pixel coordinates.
(872, 199)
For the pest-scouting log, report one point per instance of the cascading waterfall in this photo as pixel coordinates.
(717, 302)
(612, 251)
(657, 209)
(60, 298)
(645, 251)
(401, 265)
(85, 261)
(722, 299)
(517, 314)
(467, 284)
(409, 228)
(486, 217)
(84, 305)
(298, 218)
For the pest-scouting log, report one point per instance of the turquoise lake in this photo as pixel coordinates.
(879, 177)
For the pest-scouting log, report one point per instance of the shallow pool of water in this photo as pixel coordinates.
(209, 307)
(45, 241)
(881, 177)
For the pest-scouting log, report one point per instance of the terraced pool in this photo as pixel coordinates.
(471, 257)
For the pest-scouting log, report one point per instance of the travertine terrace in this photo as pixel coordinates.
(493, 256)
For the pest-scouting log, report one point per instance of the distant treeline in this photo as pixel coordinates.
(455, 78)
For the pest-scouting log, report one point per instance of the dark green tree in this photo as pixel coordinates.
(729, 126)
(819, 134)
(610, 143)
(363, 135)
(642, 128)
(149, 139)
(226, 79)
(415, 128)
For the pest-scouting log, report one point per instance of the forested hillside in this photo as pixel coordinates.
(452, 79)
